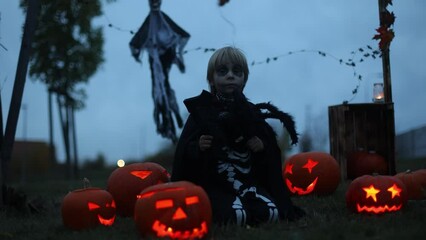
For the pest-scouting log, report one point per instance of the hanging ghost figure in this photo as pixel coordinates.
(164, 41)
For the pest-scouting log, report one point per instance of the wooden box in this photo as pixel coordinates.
(368, 126)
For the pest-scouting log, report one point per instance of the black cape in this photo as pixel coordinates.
(199, 167)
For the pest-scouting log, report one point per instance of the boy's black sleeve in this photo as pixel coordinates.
(187, 164)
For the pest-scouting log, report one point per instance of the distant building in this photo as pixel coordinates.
(30, 159)
(411, 144)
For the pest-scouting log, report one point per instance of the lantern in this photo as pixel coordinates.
(378, 94)
(311, 173)
(376, 194)
(362, 162)
(127, 182)
(175, 210)
(415, 182)
(87, 208)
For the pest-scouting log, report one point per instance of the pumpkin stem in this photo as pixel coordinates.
(86, 183)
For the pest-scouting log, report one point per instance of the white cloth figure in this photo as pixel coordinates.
(164, 41)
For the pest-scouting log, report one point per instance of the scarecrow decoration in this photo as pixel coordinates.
(164, 41)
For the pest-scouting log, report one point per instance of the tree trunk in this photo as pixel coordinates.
(65, 134)
(52, 158)
(74, 144)
(18, 89)
(1, 147)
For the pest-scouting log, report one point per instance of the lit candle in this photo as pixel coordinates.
(378, 95)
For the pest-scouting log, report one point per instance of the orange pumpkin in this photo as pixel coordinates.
(376, 194)
(88, 208)
(311, 173)
(127, 182)
(415, 181)
(175, 210)
(361, 163)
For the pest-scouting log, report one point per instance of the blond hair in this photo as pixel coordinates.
(224, 55)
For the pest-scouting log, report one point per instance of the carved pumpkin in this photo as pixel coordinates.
(175, 210)
(415, 182)
(311, 173)
(127, 182)
(361, 163)
(376, 194)
(88, 208)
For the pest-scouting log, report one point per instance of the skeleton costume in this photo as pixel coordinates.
(244, 187)
(164, 41)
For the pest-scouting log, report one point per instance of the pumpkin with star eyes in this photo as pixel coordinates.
(175, 210)
(87, 208)
(127, 182)
(376, 194)
(311, 173)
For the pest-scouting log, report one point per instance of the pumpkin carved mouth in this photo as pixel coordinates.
(299, 190)
(378, 209)
(106, 221)
(164, 231)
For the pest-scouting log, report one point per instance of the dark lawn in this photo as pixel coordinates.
(327, 217)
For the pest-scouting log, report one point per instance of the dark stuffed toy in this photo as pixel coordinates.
(236, 123)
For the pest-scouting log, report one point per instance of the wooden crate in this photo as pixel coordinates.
(368, 126)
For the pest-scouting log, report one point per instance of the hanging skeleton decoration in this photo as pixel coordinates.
(164, 41)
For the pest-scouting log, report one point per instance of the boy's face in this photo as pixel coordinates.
(227, 78)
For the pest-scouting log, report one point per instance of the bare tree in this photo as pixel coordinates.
(68, 50)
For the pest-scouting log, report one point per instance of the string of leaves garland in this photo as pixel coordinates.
(356, 56)
(385, 35)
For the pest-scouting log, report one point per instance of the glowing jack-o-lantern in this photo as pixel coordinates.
(175, 210)
(127, 182)
(376, 194)
(88, 208)
(311, 173)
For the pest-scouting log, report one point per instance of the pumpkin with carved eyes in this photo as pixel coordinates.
(376, 194)
(175, 210)
(127, 182)
(88, 208)
(311, 173)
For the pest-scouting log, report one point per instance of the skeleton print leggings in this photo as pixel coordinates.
(250, 207)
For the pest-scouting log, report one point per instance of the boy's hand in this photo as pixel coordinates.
(255, 144)
(205, 142)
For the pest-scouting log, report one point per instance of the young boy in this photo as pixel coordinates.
(229, 149)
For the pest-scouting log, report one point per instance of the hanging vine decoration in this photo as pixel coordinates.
(116, 27)
(364, 53)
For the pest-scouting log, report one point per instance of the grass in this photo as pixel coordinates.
(327, 217)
